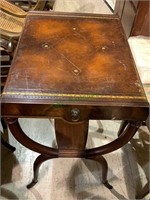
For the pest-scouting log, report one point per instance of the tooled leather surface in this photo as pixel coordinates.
(73, 57)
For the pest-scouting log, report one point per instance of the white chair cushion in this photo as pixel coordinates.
(140, 47)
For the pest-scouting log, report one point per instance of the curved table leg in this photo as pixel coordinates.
(123, 138)
(104, 165)
(46, 152)
(28, 142)
(127, 132)
(63, 151)
(39, 160)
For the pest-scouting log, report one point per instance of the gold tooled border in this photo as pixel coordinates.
(72, 95)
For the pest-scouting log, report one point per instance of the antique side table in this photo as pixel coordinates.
(73, 68)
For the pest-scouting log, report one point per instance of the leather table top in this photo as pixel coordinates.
(73, 59)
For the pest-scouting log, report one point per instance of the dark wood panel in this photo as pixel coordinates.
(119, 7)
(135, 3)
(141, 22)
(134, 16)
(128, 17)
(126, 10)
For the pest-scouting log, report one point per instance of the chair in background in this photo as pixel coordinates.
(28, 5)
(11, 24)
(12, 21)
(5, 60)
(141, 52)
(3, 142)
(139, 45)
(136, 26)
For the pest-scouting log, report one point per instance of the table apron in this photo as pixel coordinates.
(65, 112)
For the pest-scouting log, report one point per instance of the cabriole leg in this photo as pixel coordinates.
(38, 162)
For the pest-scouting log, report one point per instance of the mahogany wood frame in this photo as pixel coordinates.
(73, 94)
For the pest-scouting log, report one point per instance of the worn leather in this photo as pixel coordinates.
(74, 59)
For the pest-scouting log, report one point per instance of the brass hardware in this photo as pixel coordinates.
(75, 114)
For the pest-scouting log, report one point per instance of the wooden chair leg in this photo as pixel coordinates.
(4, 124)
(145, 191)
(3, 142)
(6, 144)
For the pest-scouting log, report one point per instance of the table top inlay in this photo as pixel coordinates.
(73, 57)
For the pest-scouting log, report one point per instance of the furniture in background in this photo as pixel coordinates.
(12, 21)
(28, 5)
(134, 15)
(5, 61)
(135, 20)
(11, 24)
(78, 85)
(3, 142)
(144, 191)
(140, 47)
